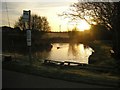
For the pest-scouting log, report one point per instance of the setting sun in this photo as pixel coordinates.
(83, 25)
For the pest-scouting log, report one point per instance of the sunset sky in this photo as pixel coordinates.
(47, 8)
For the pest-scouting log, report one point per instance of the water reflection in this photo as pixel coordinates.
(72, 49)
(79, 53)
(68, 52)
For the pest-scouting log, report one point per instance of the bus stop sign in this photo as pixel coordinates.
(26, 16)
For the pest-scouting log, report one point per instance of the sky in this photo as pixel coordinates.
(47, 8)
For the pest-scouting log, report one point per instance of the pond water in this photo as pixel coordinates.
(67, 52)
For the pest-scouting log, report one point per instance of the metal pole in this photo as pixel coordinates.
(30, 55)
(29, 47)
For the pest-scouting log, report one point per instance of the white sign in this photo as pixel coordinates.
(26, 15)
(28, 37)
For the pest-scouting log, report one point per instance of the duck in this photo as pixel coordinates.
(58, 47)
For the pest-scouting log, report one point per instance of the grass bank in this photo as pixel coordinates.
(102, 56)
(75, 74)
(99, 71)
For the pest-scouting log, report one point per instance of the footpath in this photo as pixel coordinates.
(13, 79)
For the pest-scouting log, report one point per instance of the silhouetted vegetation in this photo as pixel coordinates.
(97, 32)
(101, 65)
(14, 39)
(37, 23)
(102, 13)
(100, 32)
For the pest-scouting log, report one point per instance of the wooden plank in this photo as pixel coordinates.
(63, 62)
(53, 61)
(79, 64)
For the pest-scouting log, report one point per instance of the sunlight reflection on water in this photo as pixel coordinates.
(68, 52)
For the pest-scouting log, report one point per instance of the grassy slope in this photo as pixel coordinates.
(100, 58)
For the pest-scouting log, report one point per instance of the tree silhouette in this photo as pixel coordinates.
(103, 13)
(37, 23)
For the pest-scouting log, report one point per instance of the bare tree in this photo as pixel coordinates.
(104, 13)
(98, 12)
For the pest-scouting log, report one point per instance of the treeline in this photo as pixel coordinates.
(97, 32)
(14, 39)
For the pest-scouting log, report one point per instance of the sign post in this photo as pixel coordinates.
(26, 18)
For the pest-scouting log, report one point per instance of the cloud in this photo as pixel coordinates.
(39, 0)
(46, 8)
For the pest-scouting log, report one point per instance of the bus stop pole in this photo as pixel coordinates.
(29, 47)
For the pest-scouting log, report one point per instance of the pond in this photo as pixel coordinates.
(67, 52)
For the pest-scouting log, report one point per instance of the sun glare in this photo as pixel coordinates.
(83, 25)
